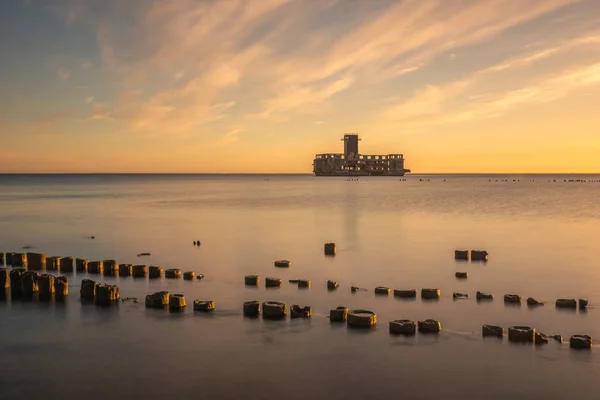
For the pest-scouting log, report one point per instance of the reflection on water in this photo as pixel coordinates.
(542, 239)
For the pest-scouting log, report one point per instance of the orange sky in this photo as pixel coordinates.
(261, 86)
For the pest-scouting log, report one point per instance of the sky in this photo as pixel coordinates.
(224, 86)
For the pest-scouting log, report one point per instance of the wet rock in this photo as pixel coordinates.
(16, 281)
(111, 268)
(139, 271)
(200, 276)
(252, 308)
(272, 282)
(461, 275)
(459, 296)
(30, 283)
(173, 273)
(521, 334)
(361, 319)
(252, 280)
(18, 259)
(303, 283)
(53, 263)
(462, 254)
(300, 312)
(329, 249)
(479, 255)
(429, 326)
(143, 254)
(4, 279)
(154, 272)
(157, 300)
(406, 293)
(512, 298)
(61, 287)
(583, 303)
(67, 264)
(492, 330)
(36, 261)
(189, 275)
(339, 314)
(380, 290)
(107, 295)
(531, 302)
(403, 327)
(274, 310)
(81, 264)
(331, 285)
(96, 267)
(566, 303)
(580, 342)
(484, 296)
(204, 305)
(430, 293)
(282, 264)
(176, 302)
(125, 270)
(540, 338)
(46, 285)
(88, 289)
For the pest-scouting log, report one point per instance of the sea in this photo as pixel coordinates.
(541, 232)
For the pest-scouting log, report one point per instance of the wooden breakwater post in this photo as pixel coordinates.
(53, 263)
(61, 287)
(88, 289)
(125, 269)
(36, 261)
(107, 295)
(96, 267)
(140, 271)
(46, 286)
(111, 268)
(67, 264)
(16, 282)
(154, 272)
(30, 283)
(2, 259)
(16, 259)
(4, 278)
(81, 265)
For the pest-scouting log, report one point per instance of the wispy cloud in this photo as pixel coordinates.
(89, 99)
(63, 73)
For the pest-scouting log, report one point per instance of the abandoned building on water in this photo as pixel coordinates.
(352, 163)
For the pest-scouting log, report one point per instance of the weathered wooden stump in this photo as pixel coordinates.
(461, 275)
(107, 295)
(204, 305)
(140, 271)
(61, 287)
(479, 255)
(282, 263)
(157, 300)
(155, 272)
(580, 342)
(30, 283)
(272, 282)
(521, 334)
(303, 283)
(2, 262)
(403, 327)
(297, 311)
(361, 319)
(16, 281)
(125, 269)
(492, 330)
(338, 314)
(566, 303)
(53, 263)
(81, 265)
(332, 285)
(484, 296)
(429, 294)
(96, 267)
(36, 261)
(173, 273)
(405, 293)
(462, 255)
(67, 264)
(274, 310)
(329, 249)
(18, 259)
(430, 326)
(381, 290)
(4, 278)
(251, 308)
(46, 285)
(176, 301)
(512, 298)
(251, 280)
(189, 275)
(111, 267)
(88, 289)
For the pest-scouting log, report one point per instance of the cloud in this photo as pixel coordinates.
(89, 99)
(86, 64)
(63, 73)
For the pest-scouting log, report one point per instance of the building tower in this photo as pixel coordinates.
(351, 146)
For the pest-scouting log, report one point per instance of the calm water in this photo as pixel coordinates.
(542, 237)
